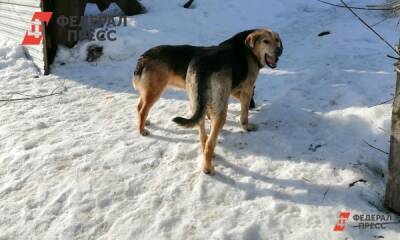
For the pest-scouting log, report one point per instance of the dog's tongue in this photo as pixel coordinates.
(270, 60)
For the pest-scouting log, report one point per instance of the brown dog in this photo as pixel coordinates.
(158, 68)
(217, 72)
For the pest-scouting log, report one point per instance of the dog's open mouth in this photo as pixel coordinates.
(271, 61)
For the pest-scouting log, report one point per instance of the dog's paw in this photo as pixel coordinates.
(250, 127)
(209, 170)
(145, 132)
(147, 123)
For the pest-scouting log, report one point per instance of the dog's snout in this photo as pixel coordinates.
(278, 52)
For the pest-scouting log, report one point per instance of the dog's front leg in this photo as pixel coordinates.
(245, 99)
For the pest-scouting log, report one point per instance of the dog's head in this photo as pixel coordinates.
(266, 45)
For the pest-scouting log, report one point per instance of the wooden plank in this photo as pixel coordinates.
(30, 3)
(392, 196)
(15, 20)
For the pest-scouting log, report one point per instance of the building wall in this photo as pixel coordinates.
(15, 20)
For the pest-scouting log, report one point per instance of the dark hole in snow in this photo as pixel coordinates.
(321, 34)
(94, 52)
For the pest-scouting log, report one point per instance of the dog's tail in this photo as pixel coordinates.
(198, 96)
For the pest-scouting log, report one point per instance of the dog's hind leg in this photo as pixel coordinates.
(202, 134)
(147, 100)
(143, 113)
(217, 122)
(139, 107)
(143, 110)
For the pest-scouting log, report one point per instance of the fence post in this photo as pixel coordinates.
(392, 196)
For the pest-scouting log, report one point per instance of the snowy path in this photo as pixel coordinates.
(74, 167)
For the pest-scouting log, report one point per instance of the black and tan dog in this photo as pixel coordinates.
(217, 72)
(157, 68)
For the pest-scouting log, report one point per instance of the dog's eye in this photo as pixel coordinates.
(266, 41)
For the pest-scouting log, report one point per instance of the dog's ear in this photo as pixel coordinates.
(251, 40)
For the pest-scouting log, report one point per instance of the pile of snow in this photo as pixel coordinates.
(73, 166)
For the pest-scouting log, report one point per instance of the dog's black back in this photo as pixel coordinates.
(177, 58)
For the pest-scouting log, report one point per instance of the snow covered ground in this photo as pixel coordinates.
(73, 166)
